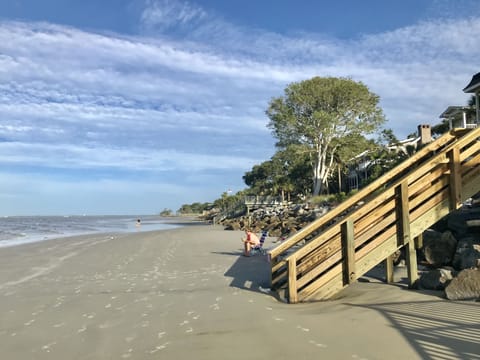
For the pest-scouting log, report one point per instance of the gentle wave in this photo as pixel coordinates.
(16, 230)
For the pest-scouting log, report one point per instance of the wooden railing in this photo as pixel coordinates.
(369, 227)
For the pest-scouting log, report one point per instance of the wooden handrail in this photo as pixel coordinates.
(346, 242)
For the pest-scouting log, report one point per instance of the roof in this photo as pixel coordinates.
(451, 111)
(474, 84)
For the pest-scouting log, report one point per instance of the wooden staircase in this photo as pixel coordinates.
(369, 227)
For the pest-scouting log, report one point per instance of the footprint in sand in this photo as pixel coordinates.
(47, 347)
(82, 329)
(158, 348)
(127, 354)
(89, 316)
(313, 342)
(302, 328)
(215, 307)
(129, 339)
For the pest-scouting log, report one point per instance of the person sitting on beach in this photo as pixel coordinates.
(251, 240)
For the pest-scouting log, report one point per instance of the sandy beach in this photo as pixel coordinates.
(188, 293)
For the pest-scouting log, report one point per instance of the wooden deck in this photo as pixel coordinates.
(368, 228)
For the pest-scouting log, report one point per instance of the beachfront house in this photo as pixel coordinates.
(360, 165)
(457, 117)
(474, 88)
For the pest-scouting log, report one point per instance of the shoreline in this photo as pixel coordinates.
(187, 292)
(30, 235)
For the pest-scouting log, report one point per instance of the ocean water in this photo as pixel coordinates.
(16, 230)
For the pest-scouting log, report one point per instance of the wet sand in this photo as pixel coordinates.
(188, 293)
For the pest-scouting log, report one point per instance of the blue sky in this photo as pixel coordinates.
(133, 106)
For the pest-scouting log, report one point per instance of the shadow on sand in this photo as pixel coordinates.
(250, 273)
(437, 329)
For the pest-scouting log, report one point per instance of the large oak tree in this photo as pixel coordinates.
(324, 114)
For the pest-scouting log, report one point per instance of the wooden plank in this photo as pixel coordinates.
(430, 203)
(377, 255)
(469, 152)
(422, 222)
(279, 277)
(320, 269)
(470, 184)
(292, 281)
(412, 267)
(348, 247)
(419, 241)
(324, 284)
(387, 222)
(319, 240)
(371, 221)
(471, 164)
(389, 269)
(376, 242)
(318, 256)
(424, 182)
(438, 186)
(326, 291)
(455, 180)
(403, 214)
(278, 265)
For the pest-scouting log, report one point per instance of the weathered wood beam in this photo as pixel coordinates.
(389, 269)
(412, 268)
(455, 179)
(403, 214)
(348, 249)
(292, 281)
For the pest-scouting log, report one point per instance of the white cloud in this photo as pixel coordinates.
(192, 93)
(165, 14)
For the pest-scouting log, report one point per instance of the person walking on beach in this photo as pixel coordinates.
(251, 240)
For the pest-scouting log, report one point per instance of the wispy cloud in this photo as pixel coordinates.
(191, 91)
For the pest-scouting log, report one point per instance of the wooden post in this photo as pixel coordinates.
(455, 179)
(412, 268)
(403, 214)
(292, 281)
(348, 249)
(389, 269)
(419, 241)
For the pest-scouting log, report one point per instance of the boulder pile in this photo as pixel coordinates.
(449, 259)
(279, 221)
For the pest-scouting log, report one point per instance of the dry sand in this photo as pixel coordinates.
(189, 294)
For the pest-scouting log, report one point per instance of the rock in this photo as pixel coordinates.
(464, 220)
(465, 286)
(435, 279)
(466, 255)
(439, 249)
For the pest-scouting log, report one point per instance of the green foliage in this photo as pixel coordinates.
(195, 208)
(283, 175)
(166, 212)
(324, 115)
